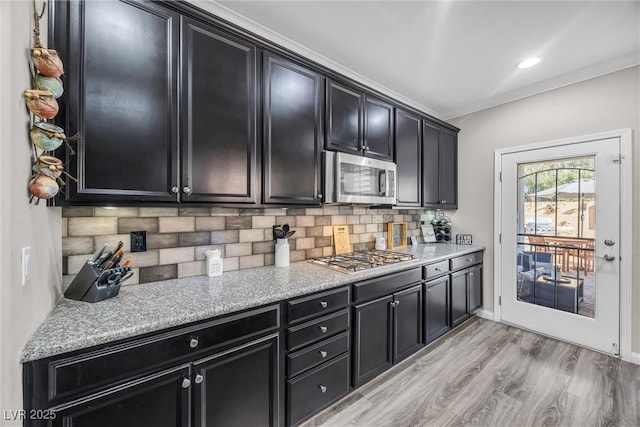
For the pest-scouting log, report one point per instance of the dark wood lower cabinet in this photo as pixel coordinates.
(474, 277)
(407, 329)
(436, 308)
(238, 387)
(159, 400)
(372, 350)
(459, 307)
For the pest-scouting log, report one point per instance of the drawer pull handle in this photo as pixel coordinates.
(437, 269)
(323, 329)
(323, 389)
(469, 259)
(186, 383)
(323, 353)
(193, 343)
(199, 379)
(323, 304)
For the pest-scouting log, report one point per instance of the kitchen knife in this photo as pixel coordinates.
(106, 258)
(115, 259)
(98, 253)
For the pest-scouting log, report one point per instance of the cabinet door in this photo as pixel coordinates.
(121, 98)
(448, 169)
(160, 400)
(407, 325)
(293, 132)
(378, 129)
(219, 145)
(344, 118)
(372, 339)
(408, 158)
(459, 292)
(474, 277)
(436, 310)
(430, 165)
(239, 387)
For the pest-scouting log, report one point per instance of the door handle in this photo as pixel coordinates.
(609, 242)
(607, 257)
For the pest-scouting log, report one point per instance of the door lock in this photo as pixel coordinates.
(609, 242)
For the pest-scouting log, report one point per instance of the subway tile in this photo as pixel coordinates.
(209, 223)
(190, 269)
(387, 218)
(353, 219)
(133, 280)
(119, 212)
(359, 228)
(64, 226)
(176, 255)
(158, 272)
(327, 251)
(75, 263)
(74, 211)
(345, 210)
(305, 221)
(295, 256)
(266, 221)
(127, 225)
(313, 253)
(194, 211)
(292, 244)
(314, 231)
(200, 250)
(268, 234)
(305, 243)
(157, 212)
(77, 245)
(230, 264)
(377, 218)
(143, 259)
(251, 235)
(112, 241)
(365, 219)
(359, 210)
(323, 220)
(177, 224)
(355, 238)
(274, 211)
(251, 211)
(322, 241)
(237, 222)
(226, 236)
(359, 247)
(327, 230)
(162, 240)
(331, 210)
(296, 211)
(251, 261)
(338, 220)
(199, 238)
(66, 281)
(287, 219)
(398, 218)
(408, 218)
(314, 211)
(225, 211)
(299, 232)
(262, 247)
(238, 249)
(371, 228)
(92, 226)
(270, 259)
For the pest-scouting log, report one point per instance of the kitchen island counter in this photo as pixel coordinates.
(141, 309)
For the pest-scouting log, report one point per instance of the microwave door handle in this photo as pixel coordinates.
(383, 183)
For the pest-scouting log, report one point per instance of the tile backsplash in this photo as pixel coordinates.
(178, 237)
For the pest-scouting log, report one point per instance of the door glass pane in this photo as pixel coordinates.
(556, 232)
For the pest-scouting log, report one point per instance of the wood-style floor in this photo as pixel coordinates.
(491, 374)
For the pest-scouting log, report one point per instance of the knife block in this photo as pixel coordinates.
(85, 287)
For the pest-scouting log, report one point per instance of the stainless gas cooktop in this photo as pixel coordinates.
(358, 261)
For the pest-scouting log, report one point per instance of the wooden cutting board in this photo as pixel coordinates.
(341, 240)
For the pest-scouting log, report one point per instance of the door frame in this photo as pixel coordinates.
(626, 223)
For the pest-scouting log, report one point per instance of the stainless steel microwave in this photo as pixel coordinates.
(357, 179)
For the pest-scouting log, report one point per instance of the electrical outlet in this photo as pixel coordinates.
(138, 241)
(26, 265)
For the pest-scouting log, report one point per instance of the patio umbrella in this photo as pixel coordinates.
(572, 190)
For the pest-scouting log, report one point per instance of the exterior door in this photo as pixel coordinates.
(560, 253)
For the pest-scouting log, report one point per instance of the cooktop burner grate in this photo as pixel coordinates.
(358, 261)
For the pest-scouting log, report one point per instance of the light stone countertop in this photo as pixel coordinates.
(149, 307)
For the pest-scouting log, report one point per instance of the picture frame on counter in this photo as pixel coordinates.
(428, 234)
(396, 235)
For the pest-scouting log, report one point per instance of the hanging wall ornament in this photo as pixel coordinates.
(52, 84)
(43, 187)
(47, 136)
(41, 103)
(47, 61)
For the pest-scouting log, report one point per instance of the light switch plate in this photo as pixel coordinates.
(26, 265)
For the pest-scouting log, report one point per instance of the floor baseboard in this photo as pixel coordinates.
(485, 314)
(635, 358)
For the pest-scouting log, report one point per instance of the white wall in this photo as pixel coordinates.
(22, 309)
(604, 103)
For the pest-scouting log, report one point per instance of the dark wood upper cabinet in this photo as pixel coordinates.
(121, 97)
(344, 118)
(293, 98)
(439, 167)
(378, 128)
(408, 149)
(219, 111)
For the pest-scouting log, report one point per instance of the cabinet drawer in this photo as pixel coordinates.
(466, 260)
(386, 285)
(95, 370)
(310, 392)
(316, 354)
(326, 302)
(315, 330)
(434, 270)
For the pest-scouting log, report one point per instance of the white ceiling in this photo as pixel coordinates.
(451, 57)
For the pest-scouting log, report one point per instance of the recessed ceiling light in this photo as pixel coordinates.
(529, 62)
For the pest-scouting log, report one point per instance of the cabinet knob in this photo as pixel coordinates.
(322, 388)
(186, 383)
(193, 343)
(443, 201)
(186, 190)
(199, 379)
(470, 274)
(323, 353)
(393, 303)
(323, 329)
(175, 189)
(323, 304)
(319, 196)
(429, 290)
(396, 302)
